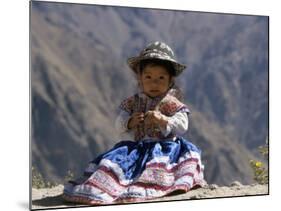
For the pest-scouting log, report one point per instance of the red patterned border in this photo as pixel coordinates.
(108, 182)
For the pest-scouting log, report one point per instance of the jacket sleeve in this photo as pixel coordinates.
(177, 124)
(121, 121)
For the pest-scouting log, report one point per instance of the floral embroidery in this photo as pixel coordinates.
(170, 106)
(128, 104)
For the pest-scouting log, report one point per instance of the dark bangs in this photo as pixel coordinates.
(158, 62)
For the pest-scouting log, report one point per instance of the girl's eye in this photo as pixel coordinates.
(147, 77)
(161, 77)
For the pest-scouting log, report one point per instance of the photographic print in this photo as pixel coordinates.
(136, 105)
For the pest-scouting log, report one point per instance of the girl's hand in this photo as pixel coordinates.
(136, 119)
(155, 117)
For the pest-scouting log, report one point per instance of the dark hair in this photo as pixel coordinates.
(158, 62)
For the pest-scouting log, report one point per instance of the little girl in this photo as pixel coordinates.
(158, 161)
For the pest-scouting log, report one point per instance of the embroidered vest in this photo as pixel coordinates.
(167, 105)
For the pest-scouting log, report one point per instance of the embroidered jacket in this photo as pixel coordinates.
(168, 104)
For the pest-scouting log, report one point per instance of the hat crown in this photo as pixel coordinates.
(158, 48)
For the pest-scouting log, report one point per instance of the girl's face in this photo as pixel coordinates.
(155, 80)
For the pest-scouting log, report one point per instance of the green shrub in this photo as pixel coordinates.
(69, 176)
(39, 182)
(261, 169)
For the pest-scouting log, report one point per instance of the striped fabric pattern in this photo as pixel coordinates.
(106, 183)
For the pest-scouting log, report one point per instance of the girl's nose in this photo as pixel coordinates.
(155, 81)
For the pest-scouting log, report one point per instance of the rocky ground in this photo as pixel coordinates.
(51, 198)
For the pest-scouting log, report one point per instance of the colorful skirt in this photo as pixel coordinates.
(136, 171)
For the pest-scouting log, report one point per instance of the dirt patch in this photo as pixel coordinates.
(52, 197)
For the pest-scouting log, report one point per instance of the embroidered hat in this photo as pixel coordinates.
(156, 50)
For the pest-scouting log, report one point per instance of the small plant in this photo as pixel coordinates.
(38, 181)
(260, 169)
(69, 176)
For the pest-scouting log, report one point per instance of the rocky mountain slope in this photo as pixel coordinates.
(79, 76)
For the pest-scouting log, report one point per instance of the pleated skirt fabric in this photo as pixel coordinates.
(136, 171)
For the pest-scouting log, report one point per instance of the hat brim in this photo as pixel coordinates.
(134, 62)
